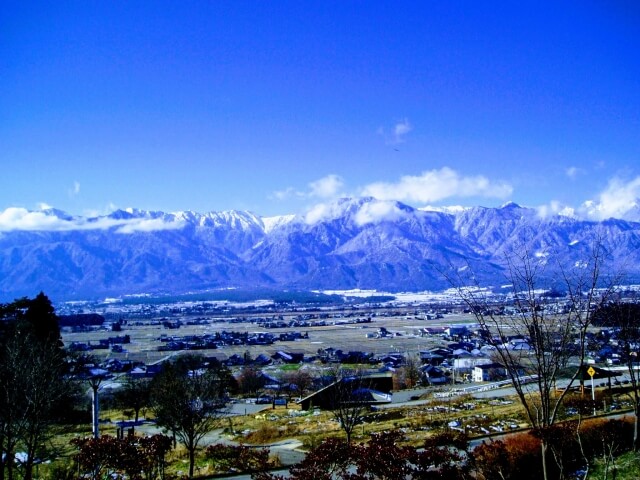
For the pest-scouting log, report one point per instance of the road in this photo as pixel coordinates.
(288, 450)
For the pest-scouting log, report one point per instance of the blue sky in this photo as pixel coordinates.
(278, 106)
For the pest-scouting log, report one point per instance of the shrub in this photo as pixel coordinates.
(64, 470)
(134, 457)
(584, 405)
(444, 457)
(334, 459)
(264, 434)
(518, 457)
(383, 458)
(331, 459)
(229, 458)
(601, 437)
(491, 460)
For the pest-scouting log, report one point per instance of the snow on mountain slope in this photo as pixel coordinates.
(271, 223)
(353, 243)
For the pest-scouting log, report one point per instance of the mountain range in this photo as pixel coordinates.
(353, 243)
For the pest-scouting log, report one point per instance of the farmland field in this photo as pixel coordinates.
(339, 331)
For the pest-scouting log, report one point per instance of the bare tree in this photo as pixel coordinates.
(134, 395)
(551, 331)
(188, 400)
(292, 383)
(44, 386)
(11, 408)
(251, 380)
(409, 375)
(349, 399)
(625, 318)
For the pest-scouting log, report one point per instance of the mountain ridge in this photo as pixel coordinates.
(352, 243)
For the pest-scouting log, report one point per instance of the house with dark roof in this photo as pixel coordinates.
(368, 389)
(430, 358)
(434, 375)
(288, 357)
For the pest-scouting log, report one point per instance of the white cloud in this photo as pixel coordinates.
(75, 190)
(285, 194)
(437, 185)
(400, 130)
(573, 172)
(398, 133)
(320, 212)
(15, 218)
(376, 212)
(556, 208)
(363, 212)
(148, 225)
(326, 187)
(21, 219)
(619, 200)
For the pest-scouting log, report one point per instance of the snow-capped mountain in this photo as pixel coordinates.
(353, 243)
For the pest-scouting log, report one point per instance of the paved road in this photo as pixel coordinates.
(287, 450)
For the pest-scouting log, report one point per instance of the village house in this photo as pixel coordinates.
(492, 372)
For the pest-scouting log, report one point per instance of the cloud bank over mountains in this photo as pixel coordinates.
(436, 186)
(619, 199)
(52, 220)
(351, 243)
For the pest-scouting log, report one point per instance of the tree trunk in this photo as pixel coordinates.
(28, 466)
(192, 461)
(2, 462)
(636, 411)
(10, 462)
(30, 445)
(543, 447)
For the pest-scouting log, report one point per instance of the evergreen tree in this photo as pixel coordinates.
(32, 381)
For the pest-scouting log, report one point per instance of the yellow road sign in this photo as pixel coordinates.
(591, 372)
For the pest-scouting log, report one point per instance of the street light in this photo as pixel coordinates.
(95, 376)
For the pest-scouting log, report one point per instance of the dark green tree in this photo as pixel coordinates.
(42, 320)
(32, 380)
